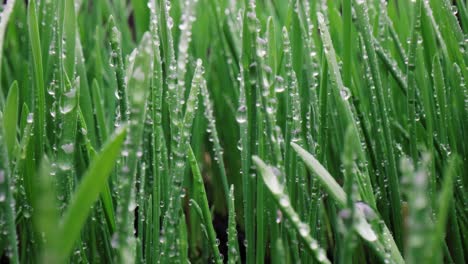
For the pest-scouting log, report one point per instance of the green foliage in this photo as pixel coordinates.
(158, 131)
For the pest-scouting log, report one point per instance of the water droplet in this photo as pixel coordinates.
(304, 229)
(68, 148)
(30, 118)
(241, 114)
(345, 93)
(284, 201)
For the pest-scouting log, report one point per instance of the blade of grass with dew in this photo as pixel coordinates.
(10, 118)
(139, 75)
(118, 65)
(66, 150)
(171, 218)
(349, 214)
(158, 133)
(85, 101)
(329, 72)
(233, 246)
(218, 150)
(88, 191)
(46, 214)
(90, 154)
(282, 199)
(341, 95)
(378, 244)
(246, 119)
(99, 117)
(411, 82)
(363, 25)
(39, 92)
(199, 191)
(185, 26)
(7, 202)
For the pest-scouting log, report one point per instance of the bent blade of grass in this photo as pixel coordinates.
(92, 184)
(199, 190)
(324, 176)
(363, 228)
(282, 199)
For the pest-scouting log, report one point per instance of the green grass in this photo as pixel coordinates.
(273, 131)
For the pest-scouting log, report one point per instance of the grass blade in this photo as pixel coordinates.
(199, 191)
(363, 228)
(92, 184)
(282, 199)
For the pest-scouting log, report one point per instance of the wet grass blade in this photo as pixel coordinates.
(200, 193)
(92, 184)
(10, 119)
(282, 199)
(364, 229)
(39, 92)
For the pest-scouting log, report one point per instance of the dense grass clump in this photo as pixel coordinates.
(256, 131)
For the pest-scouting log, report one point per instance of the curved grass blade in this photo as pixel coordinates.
(378, 243)
(199, 191)
(88, 191)
(282, 199)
